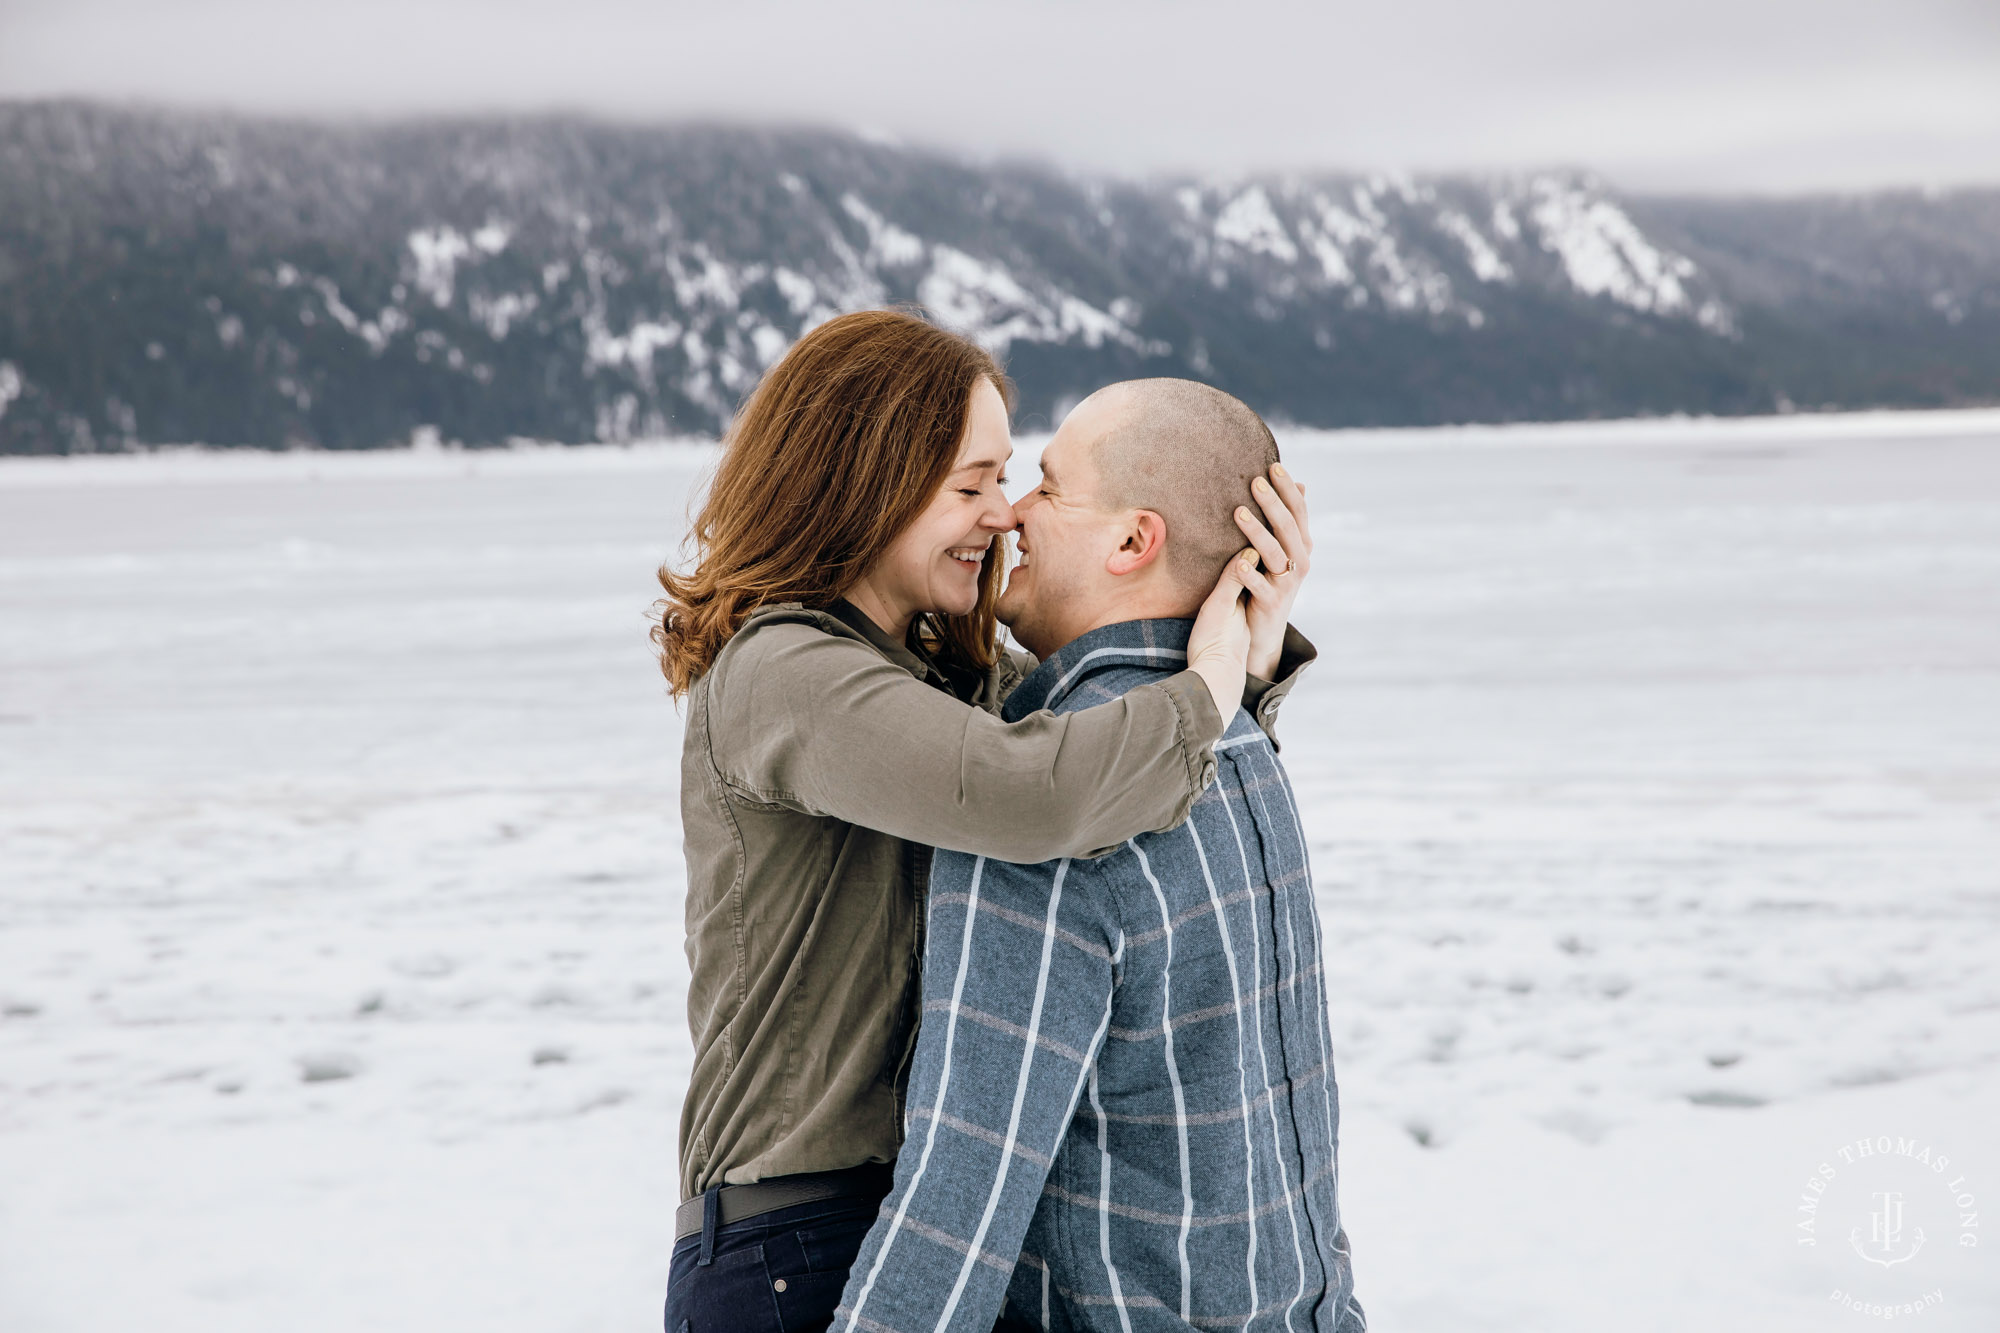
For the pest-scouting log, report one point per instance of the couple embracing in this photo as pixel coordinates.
(1007, 988)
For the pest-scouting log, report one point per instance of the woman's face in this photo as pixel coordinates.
(934, 566)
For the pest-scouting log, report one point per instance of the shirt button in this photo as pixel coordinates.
(779, 1285)
(1270, 707)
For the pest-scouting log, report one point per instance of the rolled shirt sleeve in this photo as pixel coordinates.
(1263, 698)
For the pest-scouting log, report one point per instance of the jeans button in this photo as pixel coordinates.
(779, 1285)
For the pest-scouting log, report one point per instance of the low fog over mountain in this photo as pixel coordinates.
(167, 277)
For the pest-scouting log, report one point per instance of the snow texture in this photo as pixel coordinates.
(1650, 772)
(437, 252)
(888, 244)
(1604, 252)
(1486, 263)
(991, 306)
(1250, 222)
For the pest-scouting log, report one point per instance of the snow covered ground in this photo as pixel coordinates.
(1653, 772)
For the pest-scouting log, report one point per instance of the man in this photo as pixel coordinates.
(1122, 1113)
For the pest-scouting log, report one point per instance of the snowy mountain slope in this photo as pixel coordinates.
(174, 277)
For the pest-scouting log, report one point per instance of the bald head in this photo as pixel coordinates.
(1188, 452)
(1134, 518)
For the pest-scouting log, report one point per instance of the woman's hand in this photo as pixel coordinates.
(1219, 644)
(1286, 549)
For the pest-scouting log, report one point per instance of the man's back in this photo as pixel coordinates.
(1125, 1075)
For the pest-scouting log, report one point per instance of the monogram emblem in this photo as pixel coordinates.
(1885, 1233)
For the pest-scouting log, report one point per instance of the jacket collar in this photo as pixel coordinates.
(918, 665)
(1160, 644)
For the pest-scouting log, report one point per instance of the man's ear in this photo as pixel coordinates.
(1145, 536)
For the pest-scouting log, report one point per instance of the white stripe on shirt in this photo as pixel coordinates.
(1020, 1095)
(1104, 1208)
(1321, 1017)
(1056, 691)
(1173, 1077)
(1242, 1073)
(944, 1083)
(1264, 1060)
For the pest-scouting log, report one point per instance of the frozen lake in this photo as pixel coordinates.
(1653, 773)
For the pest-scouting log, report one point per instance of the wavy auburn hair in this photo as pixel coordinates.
(836, 452)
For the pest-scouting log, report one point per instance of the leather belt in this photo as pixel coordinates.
(739, 1203)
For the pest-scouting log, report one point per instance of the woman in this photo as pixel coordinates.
(836, 648)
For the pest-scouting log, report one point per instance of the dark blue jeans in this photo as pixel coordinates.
(779, 1273)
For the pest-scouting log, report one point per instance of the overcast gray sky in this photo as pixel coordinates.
(1665, 94)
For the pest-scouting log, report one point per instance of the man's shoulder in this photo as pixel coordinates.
(1106, 684)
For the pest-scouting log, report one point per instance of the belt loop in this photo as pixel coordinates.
(710, 1210)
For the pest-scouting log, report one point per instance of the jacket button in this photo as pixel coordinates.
(1270, 707)
(1207, 773)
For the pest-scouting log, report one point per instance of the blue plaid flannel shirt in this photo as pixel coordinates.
(1122, 1112)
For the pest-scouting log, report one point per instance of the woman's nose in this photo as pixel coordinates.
(999, 517)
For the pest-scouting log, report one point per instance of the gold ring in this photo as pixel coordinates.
(1290, 565)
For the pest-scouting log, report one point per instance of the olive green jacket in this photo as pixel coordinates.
(823, 761)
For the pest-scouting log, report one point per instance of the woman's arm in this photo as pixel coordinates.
(814, 721)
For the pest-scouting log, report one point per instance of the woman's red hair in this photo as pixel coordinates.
(842, 444)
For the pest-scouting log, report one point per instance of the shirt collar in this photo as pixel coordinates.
(1161, 644)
